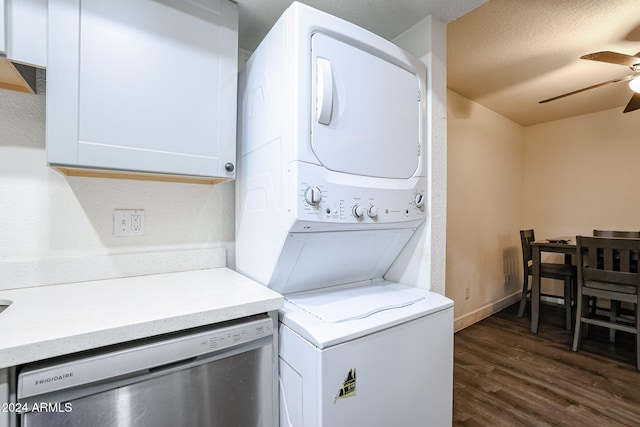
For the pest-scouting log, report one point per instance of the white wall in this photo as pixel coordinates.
(561, 178)
(422, 263)
(485, 200)
(47, 216)
(582, 173)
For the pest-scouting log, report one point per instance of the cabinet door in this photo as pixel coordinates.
(3, 27)
(142, 85)
(26, 31)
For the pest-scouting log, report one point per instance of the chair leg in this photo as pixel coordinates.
(577, 336)
(588, 310)
(614, 312)
(637, 337)
(567, 303)
(523, 298)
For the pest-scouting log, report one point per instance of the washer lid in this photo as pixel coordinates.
(355, 303)
(345, 303)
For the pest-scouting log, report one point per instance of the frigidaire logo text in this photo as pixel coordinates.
(54, 378)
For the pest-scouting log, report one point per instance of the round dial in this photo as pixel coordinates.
(372, 212)
(418, 200)
(312, 195)
(358, 211)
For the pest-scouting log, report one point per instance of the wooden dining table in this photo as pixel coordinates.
(564, 245)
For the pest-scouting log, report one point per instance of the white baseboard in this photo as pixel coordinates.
(484, 312)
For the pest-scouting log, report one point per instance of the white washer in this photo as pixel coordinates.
(331, 186)
(342, 365)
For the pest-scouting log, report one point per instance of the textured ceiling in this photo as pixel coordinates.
(387, 18)
(509, 54)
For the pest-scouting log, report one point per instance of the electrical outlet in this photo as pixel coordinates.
(507, 279)
(467, 293)
(127, 222)
(136, 222)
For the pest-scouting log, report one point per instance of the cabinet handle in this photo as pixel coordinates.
(324, 91)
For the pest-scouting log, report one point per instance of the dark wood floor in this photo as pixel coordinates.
(506, 376)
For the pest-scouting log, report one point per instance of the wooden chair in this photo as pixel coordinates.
(615, 307)
(557, 271)
(607, 268)
(612, 233)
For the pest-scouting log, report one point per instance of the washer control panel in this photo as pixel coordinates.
(349, 204)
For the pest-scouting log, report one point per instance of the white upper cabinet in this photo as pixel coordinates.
(142, 88)
(23, 43)
(25, 31)
(3, 29)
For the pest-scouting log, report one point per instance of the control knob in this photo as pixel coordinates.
(358, 211)
(312, 195)
(372, 212)
(418, 200)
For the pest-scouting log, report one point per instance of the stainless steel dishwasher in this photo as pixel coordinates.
(220, 376)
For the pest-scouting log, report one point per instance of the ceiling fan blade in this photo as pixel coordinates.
(613, 58)
(633, 104)
(618, 80)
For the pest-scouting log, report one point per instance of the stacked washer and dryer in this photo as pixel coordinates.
(331, 186)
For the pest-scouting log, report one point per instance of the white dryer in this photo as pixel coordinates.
(330, 187)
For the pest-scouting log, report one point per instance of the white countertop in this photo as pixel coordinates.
(49, 321)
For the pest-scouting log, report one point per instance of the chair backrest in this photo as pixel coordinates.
(608, 260)
(526, 237)
(612, 233)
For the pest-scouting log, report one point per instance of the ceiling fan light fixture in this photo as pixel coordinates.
(634, 84)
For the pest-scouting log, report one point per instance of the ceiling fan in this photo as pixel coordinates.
(632, 62)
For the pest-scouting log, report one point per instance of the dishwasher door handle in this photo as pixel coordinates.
(171, 365)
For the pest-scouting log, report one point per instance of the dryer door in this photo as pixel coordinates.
(367, 112)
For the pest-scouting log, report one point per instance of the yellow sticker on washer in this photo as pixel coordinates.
(348, 388)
